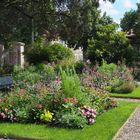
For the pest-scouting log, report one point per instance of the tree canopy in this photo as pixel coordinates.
(23, 20)
(131, 20)
(108, 44)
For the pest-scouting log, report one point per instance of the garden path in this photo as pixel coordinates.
(126, 99)
(131, 129)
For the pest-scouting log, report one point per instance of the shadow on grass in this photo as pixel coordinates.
(12, 137)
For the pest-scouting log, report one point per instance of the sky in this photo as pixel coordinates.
(117, 10)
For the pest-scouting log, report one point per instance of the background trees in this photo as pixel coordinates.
(108, 44)
(131, 20)
(25, 20)
(79, 23)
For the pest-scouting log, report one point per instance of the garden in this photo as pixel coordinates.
(63, 95)
(53, 95)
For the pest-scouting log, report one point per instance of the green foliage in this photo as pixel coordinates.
(47, 72)
(70, 116)
(28, 75)
(128, 21)
(43, 52)
(110, 46)
(37, 53)
(107, 69)
(57, 52)
(40, 95)
(131, 21)
(71, 85)
(134, 94)
(32, 74)
(53, 18)
(64, 64)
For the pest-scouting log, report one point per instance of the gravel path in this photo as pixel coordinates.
(126, 99)
(131, 129)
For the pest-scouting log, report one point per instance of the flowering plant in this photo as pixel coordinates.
(89, 113)
(47, 116)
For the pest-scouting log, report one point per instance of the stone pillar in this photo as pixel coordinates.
(20, 48)
(16, 54)
(1, 55)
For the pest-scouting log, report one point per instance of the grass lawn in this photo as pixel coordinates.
(134, 94)
(104, 129)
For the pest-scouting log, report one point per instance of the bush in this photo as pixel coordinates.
(37, 53)
(47, 52)
(57, 52)
(107, 69)
(127, 87)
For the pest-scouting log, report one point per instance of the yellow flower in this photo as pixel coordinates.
(47, 116)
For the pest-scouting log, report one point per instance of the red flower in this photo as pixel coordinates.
(39, 106)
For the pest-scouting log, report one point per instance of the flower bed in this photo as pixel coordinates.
(41, 95)
(109, 78)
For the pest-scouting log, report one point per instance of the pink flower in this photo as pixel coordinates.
(87, 113)
(91, 120)
(94, 115)
(3, 115)
(65, 99)
(84, 113)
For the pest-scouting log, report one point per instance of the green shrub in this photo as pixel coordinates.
(107, 69)
(47, 52)
(37, 53)
(57, 52)
(127, 87)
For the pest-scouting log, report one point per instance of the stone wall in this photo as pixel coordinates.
(78, 53)
(14, 55)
